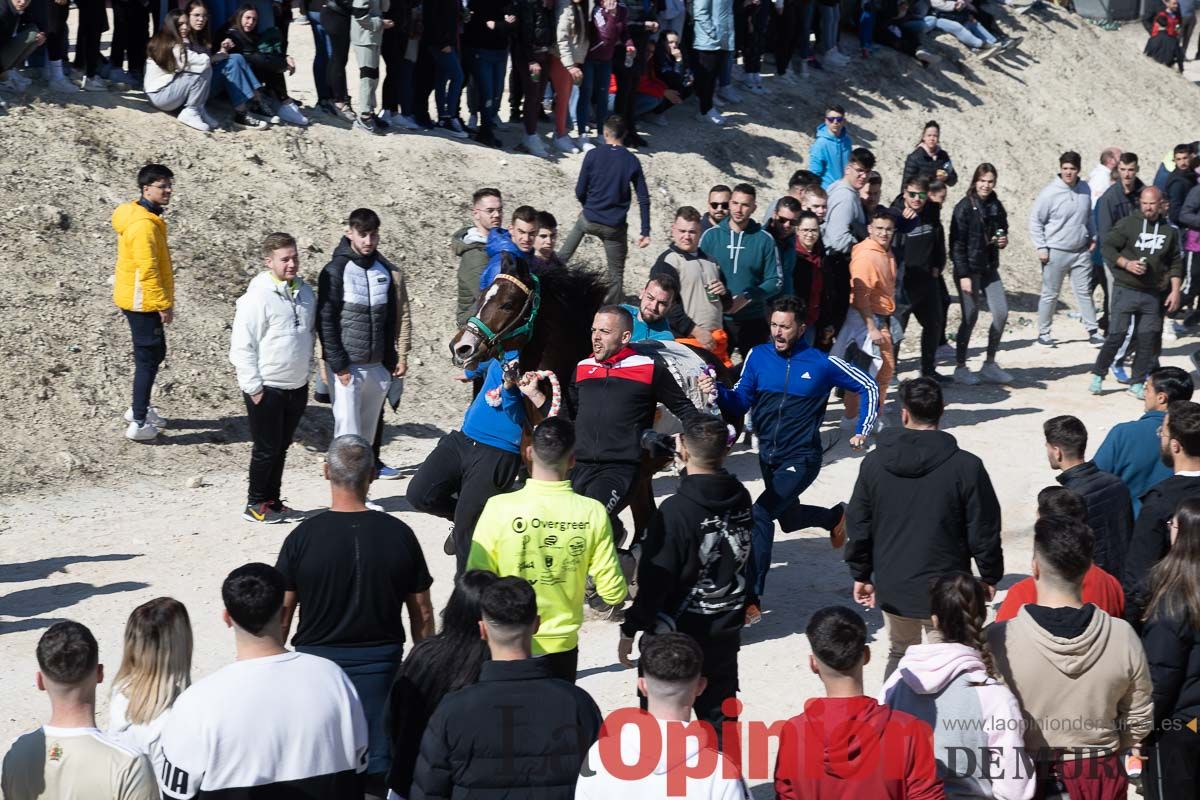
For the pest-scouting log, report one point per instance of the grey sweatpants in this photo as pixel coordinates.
(356, 407)
(988, 286)
(188, 89)
(1079, 267)
(367, 56)
(616, 248)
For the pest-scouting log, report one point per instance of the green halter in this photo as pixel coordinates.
(533, 302)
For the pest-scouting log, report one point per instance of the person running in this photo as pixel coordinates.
(1171, 637)
(787, 409)
(469, 748)
(978, 232)
(690, 575)
(1064, 659)
(1109, 507)
(156, 667)
(921, 507)
(437, 666)
(294, 720)
(552, 537)
(673, 677)
(952, 685)
(144, 290)
(70, 757)
(747, 257)
(920, 244)
(603, 189)
(271, 348)
(357, 318)
(846, 745)
(1063, 233)
(1131, 450)
(332, 561)
(1099, 588)
(830, 150)
(1147, 279)
(929, 160)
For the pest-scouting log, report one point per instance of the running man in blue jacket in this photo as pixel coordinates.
(785, 386)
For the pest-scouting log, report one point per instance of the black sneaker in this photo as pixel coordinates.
(286, 513)
(367, 122)
(262, 513)
(939, 377)
(244, 120)
(486, 137)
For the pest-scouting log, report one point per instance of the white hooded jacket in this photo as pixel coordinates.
(273, 334)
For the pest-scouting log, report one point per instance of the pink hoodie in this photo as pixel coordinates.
(978, 730)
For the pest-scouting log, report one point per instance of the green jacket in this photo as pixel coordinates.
(553, 538)
(1134, 238)
(471, 251)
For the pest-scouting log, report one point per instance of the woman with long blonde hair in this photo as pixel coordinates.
(156, 666)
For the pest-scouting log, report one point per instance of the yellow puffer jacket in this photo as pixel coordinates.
(144, 280)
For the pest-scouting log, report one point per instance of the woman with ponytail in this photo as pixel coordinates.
(951, 684)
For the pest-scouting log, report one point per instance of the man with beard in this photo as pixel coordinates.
(1179, 443)
(718, 206)
(650, 315)
(1116, 203)
(782, 227)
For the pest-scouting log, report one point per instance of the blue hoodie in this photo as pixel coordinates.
(499, 241)
(1132, 452)
(496, 427)
(829, 155)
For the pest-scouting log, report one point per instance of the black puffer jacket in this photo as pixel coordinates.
(518, 733)
(972, 226)
(920, 164)
(356, 310)
(1109, 511)
(1152, 539)
(1172, 645)
(537, 31)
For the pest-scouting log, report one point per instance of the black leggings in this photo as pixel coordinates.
(751, 30)
(87, 37)
(709, 64)
(787, 26)
(337, 26)
(925, 296)
(56, 33)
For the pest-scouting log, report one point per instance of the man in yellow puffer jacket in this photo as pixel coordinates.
(144, 290)
(553, 538)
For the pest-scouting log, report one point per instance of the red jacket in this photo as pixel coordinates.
(853, 748)
(1099, 588)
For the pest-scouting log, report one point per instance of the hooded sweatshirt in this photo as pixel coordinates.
(1134, 238)
(1132, 452)
(846, 221)
(656, 782)
(829, 154)
(1061, 218)
(470, 248)
(1080, 677)
(921, 508)
(691, 576)
(947, 686)
(849, 748)
(499, 241)
(1115, 205)
(273, 334)
(748, 260)
(144, 280)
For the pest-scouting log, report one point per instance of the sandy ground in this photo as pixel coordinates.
(92, 553)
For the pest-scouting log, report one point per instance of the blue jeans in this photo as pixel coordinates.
(322, 48)
(593, 94)
(643, 104)
(866, 25)
(234, 76)
(447, 83)
(487, 67)
(828, 32)
(783, 485)
(972, 34)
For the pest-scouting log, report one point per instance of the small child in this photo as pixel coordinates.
(846, 745)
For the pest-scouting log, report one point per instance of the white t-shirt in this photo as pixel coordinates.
(265, 726)
(145, 739)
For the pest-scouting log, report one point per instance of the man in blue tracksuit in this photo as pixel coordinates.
(785, 385)
(470, 466)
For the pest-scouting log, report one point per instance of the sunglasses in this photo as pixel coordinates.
(835, 119)
(718, 205)
(921, 195)
(785, 220)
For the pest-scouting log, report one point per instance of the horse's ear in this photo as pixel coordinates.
(513, 265)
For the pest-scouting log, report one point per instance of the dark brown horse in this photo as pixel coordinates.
(547, 317)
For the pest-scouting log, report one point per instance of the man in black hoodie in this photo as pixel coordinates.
(1118, 202)
(519, 732)
(921, 508)
(920, 247)
(1179, 440)
(692, 574)
(356, 323)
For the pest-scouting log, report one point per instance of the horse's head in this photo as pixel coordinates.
(504, 318)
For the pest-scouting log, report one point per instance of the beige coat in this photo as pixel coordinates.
(572, 33)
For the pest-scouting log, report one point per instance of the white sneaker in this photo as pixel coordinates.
(712, 116)
(586, 144)
(534, 145)
(964, 376)
(151, 416)
(992, 373)
(96, 84)
(192, 118)
(141, 433)
(289, 113)
(209, 119)
(927, 57)
(565, 144)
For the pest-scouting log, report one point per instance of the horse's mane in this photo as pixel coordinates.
(579, 290)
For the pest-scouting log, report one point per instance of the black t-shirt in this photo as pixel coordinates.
(351, 572)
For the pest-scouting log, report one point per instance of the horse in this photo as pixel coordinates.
(547, 317)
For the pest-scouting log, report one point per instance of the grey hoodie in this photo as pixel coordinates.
(844, 218)
(1061, 218)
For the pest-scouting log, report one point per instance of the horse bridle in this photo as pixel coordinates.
(533, 302)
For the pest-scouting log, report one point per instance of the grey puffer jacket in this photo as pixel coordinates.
(356, 310)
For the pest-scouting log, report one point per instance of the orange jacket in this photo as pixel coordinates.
(873, 272)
